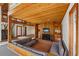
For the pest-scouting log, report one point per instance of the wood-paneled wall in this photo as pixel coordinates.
(45, 25)
(51, 26)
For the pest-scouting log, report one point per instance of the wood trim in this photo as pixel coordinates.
(36, 31)
(77, 21)
(16, 22)
(19, 50)
(25, 23)
(71, 30)
(70, 35)
(9, 29)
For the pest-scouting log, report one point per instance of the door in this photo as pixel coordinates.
(25, 31)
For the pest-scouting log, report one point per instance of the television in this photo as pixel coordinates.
(46, 30)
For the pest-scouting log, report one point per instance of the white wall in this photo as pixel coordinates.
(30, 30)
(65, 26)
(14, 29)
(2, 25)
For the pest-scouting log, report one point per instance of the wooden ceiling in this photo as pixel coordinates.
(40, 12)
(1, 4)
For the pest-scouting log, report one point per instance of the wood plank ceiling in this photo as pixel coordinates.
(1, 4)
(40, 12)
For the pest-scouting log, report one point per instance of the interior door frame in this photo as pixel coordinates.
(25, 29)
(71, 29)
(17, 31)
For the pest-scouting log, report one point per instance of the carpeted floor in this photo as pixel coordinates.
(4, 51)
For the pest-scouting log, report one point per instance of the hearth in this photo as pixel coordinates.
(46, 37)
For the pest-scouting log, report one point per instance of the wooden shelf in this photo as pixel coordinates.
(57, 33)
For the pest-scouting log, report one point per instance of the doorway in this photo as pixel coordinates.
(25, 29)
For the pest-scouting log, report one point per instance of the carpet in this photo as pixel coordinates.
(4, 51)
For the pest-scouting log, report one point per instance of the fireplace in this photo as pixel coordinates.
(46, 37)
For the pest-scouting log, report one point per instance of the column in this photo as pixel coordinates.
(0, 22)
(36, 31)
(9, 29)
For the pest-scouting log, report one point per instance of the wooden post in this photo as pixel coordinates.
(9, 29)
(77, 30)
(36, 31)
(0, 23)
(71, 33)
